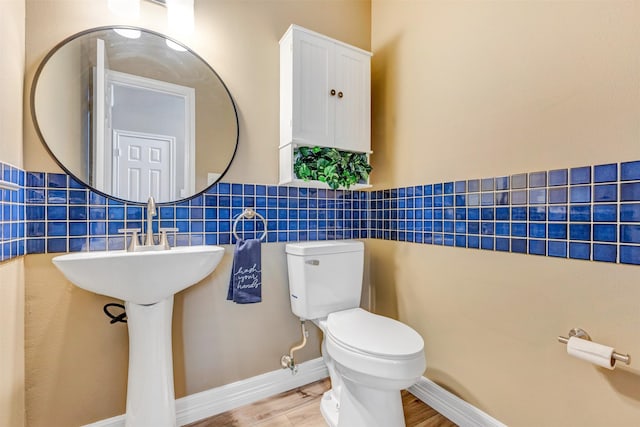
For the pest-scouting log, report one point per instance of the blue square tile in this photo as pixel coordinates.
(56, 245)
(503, 229)
(519, 214)
(34, 212)
(605, 193)
(487, 214)
(473, 227)
(461, 241)
(35, 179)
(605, 253)
(78, 197)
(473, 185)
(537, 179)
(537, 247)
(558, 195)
(473, 213)
(502, 198)
(78, 228)
(630, 254)
(427, 190)
(502, 214)
(519, 229)
(448, 188)
(487, 184)
(630, 171)
(580, 231)
(629, 233)
(557, 231)
(461, 186)
(558, 177)
(502, 244)
(35, 229)
(98, 213)
(473, 199)
(537, 196)
(78, 212)
(448, 201)
(580, 175)
(581, 194)
(557, 249)
(606, 213)
(580, 213)
(35, 246)
(537, 213)
(437, 189)
(519, 181)
(502, 183)
(73, 183)
(605, 232)
(460, 200)
(579, 250)
(487, 243)
(473, 242)
(519, 197)
(487, 228)
(630, 192)
(629, 212)
(56, 212)
(605, 173)
(487, 199)
(557, 213)
(56, 180)
(519, 246)
(537, 230)
(57, 196)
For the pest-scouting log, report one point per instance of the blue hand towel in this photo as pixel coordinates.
(245, 284)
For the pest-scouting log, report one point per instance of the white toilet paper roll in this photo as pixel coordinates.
(592, 352)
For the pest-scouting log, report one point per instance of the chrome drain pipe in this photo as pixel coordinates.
(287, 361)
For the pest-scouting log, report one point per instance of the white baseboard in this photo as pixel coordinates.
(230, 396)
(451, 406)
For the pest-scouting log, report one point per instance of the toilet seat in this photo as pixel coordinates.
(372, 345)
(372, 334)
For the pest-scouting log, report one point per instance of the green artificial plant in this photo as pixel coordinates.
(335, 167)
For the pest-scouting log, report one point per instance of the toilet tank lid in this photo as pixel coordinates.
(324, 247)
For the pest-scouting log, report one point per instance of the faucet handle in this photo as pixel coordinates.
(164, 241)
(134, 237)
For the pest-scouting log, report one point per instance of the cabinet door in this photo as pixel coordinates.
(313, 106)
(353, 108)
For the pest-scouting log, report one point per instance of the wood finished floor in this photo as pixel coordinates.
(301, 408)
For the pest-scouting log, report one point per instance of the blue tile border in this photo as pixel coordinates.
(12, 212)
(589, 213)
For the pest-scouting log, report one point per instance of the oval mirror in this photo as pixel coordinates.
(132, 114)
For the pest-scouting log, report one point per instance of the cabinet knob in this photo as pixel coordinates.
(333, 92)
(340, 94)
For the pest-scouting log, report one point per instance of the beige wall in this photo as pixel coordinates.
(472, 89)
(12, 377)
(76, 361)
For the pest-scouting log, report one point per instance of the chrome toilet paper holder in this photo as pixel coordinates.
(582, 334)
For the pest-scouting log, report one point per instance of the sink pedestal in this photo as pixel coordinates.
(150, 395)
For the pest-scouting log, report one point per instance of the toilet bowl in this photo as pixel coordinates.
(370, 358)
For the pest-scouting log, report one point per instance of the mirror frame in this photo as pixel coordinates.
(58, 46)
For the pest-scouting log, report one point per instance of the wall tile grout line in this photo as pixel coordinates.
(589, 213)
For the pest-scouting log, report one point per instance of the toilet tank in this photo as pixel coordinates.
(324, 276)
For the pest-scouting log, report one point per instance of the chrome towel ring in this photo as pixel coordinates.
(249, 213)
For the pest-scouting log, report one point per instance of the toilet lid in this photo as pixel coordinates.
(373, 334)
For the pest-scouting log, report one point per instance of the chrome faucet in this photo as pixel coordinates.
(151, 212)
(148, 242)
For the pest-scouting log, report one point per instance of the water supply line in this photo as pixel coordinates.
(287, 361)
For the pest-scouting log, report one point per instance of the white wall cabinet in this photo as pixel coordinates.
(325, 96)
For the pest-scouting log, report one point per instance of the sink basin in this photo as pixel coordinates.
(146, 281)
(140, 277)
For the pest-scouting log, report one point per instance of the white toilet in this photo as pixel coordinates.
(370, 357)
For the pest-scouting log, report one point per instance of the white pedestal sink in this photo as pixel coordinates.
(146, 281)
